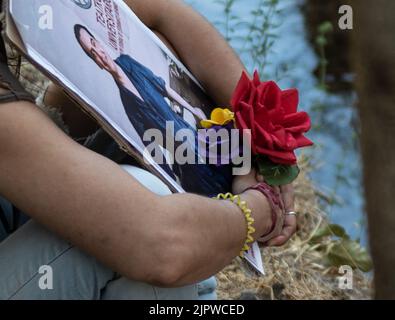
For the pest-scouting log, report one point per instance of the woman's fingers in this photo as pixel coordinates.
(288, 231)
(241, 183)
(290, 223)
(287, 193)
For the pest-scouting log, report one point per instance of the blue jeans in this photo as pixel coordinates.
(76, 275)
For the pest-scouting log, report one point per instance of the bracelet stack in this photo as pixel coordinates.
(249, 219)
(277, 207)
(277, 211)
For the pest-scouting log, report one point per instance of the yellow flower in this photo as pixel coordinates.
(219, 117)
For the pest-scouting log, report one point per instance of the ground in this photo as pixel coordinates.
(298, 270)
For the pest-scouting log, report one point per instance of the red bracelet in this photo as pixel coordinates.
(277, 206)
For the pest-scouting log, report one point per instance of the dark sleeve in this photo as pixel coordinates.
(158, 82)
(102, 143)
(12, 88)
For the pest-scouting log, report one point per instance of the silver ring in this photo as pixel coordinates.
(291, 213)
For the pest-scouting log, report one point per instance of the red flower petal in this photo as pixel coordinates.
(252, 96)
(271, 95)
(276, 115)
(290, 100)
(262, 116)
(297, 122)
(283, 161)
(256, 80)
(263, 137)
(241, 91)
(284, 140)
(279, 137)
(247, 113)
(271, 115)
(288, 158)
(242, 125)
(302, 141)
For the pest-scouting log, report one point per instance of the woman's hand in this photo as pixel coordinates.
(256, 201)
(290, 222)
(241, 183)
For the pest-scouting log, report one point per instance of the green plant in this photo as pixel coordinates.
(230, 20)
(253, 37)
(339, 249)
(321, 41)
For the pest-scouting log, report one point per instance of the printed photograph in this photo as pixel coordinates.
(125, 74)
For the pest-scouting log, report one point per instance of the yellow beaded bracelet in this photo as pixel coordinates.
(249, 219)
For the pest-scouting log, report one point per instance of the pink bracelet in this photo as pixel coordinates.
(277, 206)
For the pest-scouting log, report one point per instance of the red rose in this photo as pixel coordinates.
(271, 114)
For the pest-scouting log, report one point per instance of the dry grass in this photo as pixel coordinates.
(295, 271)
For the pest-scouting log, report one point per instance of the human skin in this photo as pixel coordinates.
(167, 241)
(211, 60)
(91, 202)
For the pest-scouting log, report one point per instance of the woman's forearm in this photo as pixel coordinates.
(91, 202)
(210, 233)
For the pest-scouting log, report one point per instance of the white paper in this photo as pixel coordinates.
(254, 257)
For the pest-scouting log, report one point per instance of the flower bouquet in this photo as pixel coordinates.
(272, 121)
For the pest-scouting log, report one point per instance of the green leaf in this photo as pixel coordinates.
(325, 27)
(349, 252)
(321, 41)
(276, 174)
(329, 230)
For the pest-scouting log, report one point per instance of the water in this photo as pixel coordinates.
(291, 62)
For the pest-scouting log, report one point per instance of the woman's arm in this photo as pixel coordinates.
(91, 202)
(209, 57)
